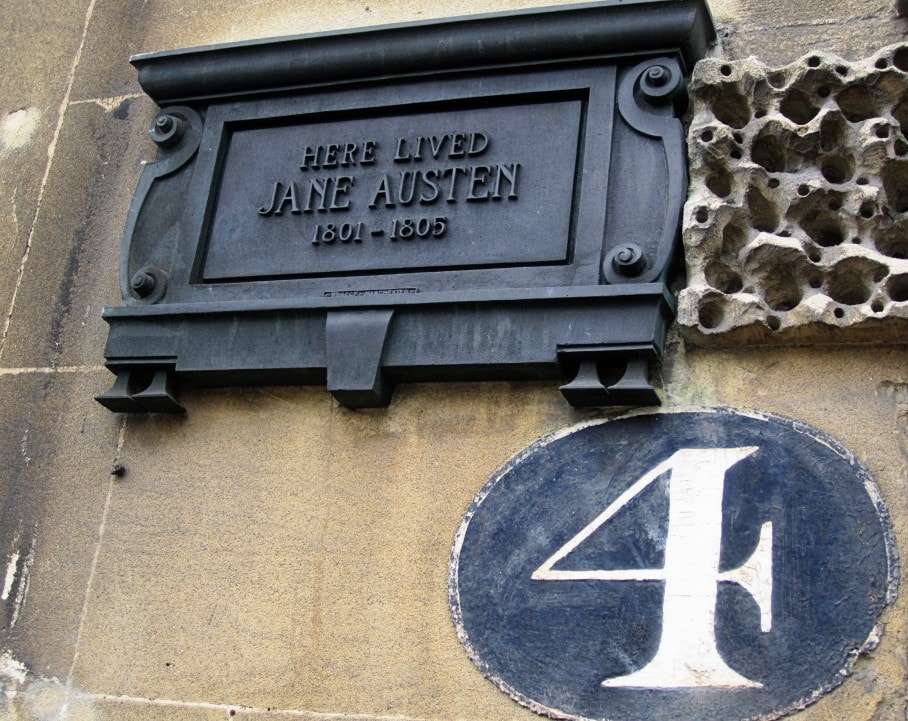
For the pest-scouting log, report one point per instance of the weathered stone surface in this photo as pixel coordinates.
(37, 50)
(72, 267)
(796, 226)
(781, 42)
(304, 565)
(56, 452)
(170, 24)
(345, 519)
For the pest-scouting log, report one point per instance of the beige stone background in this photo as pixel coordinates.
(273, 555)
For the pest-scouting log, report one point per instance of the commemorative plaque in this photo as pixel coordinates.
(487, 197)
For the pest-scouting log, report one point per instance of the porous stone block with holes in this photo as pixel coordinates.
(796, 225)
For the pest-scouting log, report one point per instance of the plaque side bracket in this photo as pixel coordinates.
(651, 97)
(177, 131)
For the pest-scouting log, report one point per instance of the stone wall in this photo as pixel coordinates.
(273, 555)
(795, 227)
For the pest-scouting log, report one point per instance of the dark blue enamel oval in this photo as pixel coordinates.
(741, 565)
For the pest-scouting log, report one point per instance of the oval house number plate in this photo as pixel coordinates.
(696, 565)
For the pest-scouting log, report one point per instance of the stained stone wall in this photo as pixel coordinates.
(796, 227)
(272, 556)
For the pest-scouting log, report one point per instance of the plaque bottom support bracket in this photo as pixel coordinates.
(355, 343)
(609, 376)
(142, 390)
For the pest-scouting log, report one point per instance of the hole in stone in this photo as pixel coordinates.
(814, 255)
(733, 239)
(768, 152)
(735, 153)
(731, 108)
(761, 113)
(823, 91)
(841, 70)
(773, 322)
(725, 70)
(711, 314)
(822, 228)
(857, 103)
(897, 288)
(763, 214)
(829, 236)
(815, 282)
(837, 169)
(900, 113)
(856, 240)
(738, 137)
(900, 147)
(838, 313)
(861, 181)
(866, 211)
(882, 131)
(813, 61)
(773, 183)
(895, 183)
(706, 136)
(797, 107)
(719, 183)
(777, 78)
(785, 233)
(900, 59)
(849, 283)
(702, 215)
(781, 290)
(847, 291)
(876, 306)
(803, 190)
(881, 64)
(893, 242)
(723, 278)
(833, 131)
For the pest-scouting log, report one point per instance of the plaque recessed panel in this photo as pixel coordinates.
(396, 189)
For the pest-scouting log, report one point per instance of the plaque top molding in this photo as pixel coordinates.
(536, 35)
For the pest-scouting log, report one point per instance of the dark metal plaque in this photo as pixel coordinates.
(708, 565)
(486, 197)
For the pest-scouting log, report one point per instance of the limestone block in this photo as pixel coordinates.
(796, 224)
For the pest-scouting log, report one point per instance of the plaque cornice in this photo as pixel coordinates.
(537, 35)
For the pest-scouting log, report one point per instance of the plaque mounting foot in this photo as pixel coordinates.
(142, 390)
(590, 388)
(355, 343)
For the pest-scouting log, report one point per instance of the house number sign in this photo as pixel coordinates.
(697, 565)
